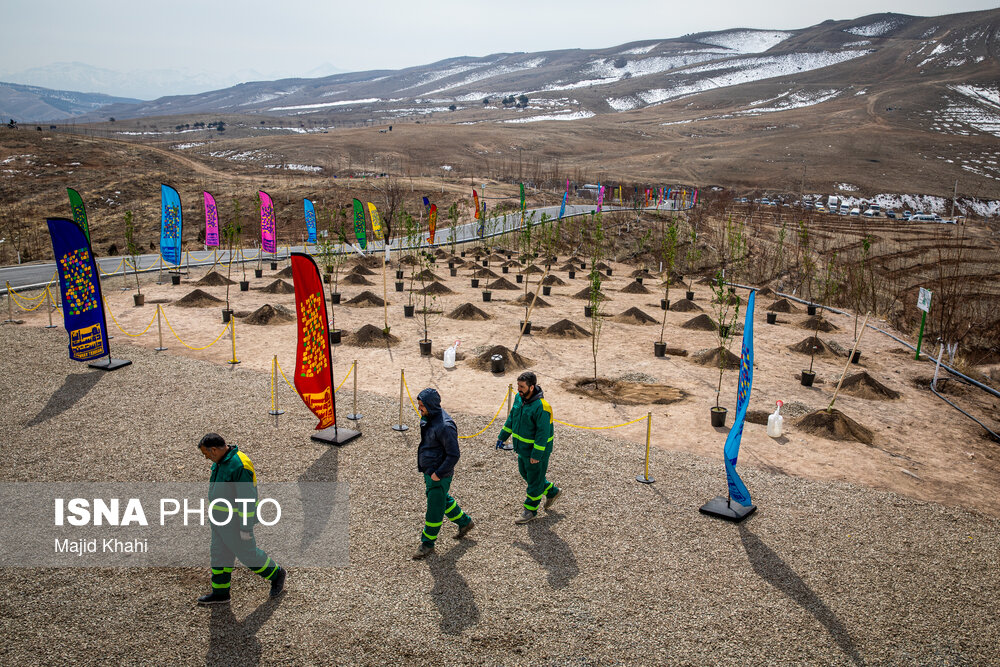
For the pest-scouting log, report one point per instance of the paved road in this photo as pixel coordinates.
(28, 276)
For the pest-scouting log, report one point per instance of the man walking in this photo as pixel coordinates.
(436, 458)
(232, 497)
(531, 425)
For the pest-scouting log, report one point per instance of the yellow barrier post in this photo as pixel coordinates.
(274, 394)
(509, 445)
(401, 426)
(232, 331)
(644, 477)
(48, 299)
(10, 314)
(355, 415)
(159, 329)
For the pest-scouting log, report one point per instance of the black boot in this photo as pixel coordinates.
(278, 583)
(217, 596)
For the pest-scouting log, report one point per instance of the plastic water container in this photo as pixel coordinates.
(774, 422)
(449, 355)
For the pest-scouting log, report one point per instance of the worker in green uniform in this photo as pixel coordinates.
(437, 455)
(232, 497)
(531, 425)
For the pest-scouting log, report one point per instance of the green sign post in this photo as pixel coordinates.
(924, 304)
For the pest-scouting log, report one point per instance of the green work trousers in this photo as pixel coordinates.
(227, 546)
(538, 486)
(440, 504)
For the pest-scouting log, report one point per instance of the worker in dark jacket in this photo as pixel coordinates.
(531, 425)
(232, 497)
(436, 458)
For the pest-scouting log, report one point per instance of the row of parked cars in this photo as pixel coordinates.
(834, 206)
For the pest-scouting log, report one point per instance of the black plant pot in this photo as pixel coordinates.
(259, 273)
(274, 266)
(659, 349)
(175, 279)
(638, 279)
(475, 282)
(807, 378)
(505, 269)
(399, 285)
(226, 315)
(583, 265)
(724, 330)
(519, 277)
(664, 304)
(572, 275)
(335, 298)
(408, 311)
(689, 296)
(139, 299)
(451, 265)
(244, 285)
(772, 318)
(547, 290)
(335, 337)
(433, 259)
(856, 358)
(463, 253)
(718, 417)
(527, 327)
(587, 310)
(486, 262)
(326, 278)
(399, 275)
(608, 272)
(811, 309)
(497, 364)
(487, 295)
(425, 348)
(453, 272)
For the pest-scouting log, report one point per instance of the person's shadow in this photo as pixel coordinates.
(315, 503)
(550, 551)
(74, 388)
(231, 642)
(771, 568)
(451, 593)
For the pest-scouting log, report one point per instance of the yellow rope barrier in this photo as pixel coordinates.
(502, 403)
(600, 428)
(113, 271)
(17, 300)
(334, 391)
(196, 349)
(115, 319)
(408, 393)
(286, 379)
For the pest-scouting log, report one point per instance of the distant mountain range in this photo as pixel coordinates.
(26, 103)
(810, 66)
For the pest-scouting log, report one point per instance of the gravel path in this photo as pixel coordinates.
(825, 573)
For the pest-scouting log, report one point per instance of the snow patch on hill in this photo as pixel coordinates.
(877, 29)
(322, 105)
(639, 50)
(567, 114)
(491, 72)
(747, 41)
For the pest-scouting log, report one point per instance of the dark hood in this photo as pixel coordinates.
(535, 395)
(432, 401)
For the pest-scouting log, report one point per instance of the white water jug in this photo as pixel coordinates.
(449, 355)
(774, 422)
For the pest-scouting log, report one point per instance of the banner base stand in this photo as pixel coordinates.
(400, 427)
(356, 417)
(110, 365)
(335, 435)
(644, 480)
(730, 510)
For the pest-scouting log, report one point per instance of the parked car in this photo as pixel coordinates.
(907, 215)
(820, 208)
(855, 211)
(924, 217)
(844, 209)
(891, 215)
(869, 213)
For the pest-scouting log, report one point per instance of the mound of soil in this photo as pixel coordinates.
(483, 272)
(635, 287)
(502, 283)
(566, 329)
(570, 266)
(426, 274)
(371, 261)
(366, 299)
(574, 260)
(553, 280)
(197, 299)
(625, 393)
(371, 336)
(284, 273)
(526, 299)
(361, 270)
(705, 280)
(701, 323)
(355, 279)
(782, 306)
(712, 358)
(441, 252)
(585, 295)
(410, 260)
(278, 287)
(864, 385)
(533, 269)
(732, 299)
(435, 288)
(268, 314)
(634, 316)
(511, 262)
(467, 311)
(214, 279)
(818, 323)
(497, 258)
(512, 360)
(641, 273)
(601, 266)
(806, 344)
(685, 306)
(834, 425)
(765, 292)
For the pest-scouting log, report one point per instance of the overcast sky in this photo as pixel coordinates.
(294, 37)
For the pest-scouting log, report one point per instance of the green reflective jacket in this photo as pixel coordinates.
(530, 423)
(233, 478)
